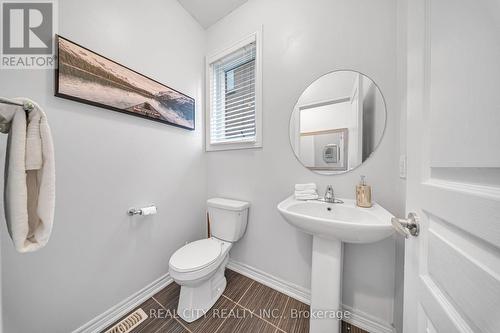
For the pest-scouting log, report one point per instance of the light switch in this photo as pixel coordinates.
(402, 166)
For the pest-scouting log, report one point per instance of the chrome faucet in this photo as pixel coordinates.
(329, 195)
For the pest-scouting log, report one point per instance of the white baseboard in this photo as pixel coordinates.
(367, 322)
(294, 291)
(358, 318)
(114, 313)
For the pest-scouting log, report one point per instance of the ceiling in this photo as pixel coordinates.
(207, 12)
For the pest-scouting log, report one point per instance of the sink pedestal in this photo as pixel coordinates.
(331, 225)
(326, 285)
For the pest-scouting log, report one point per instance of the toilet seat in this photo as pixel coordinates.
(196, 255)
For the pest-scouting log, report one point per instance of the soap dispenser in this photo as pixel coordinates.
(363, 194)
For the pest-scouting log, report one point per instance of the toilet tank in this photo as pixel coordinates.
(228, 218)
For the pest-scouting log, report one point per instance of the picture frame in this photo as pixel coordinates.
(85, 76)
(338, 137)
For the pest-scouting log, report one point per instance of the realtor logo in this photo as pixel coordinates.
(27, 34)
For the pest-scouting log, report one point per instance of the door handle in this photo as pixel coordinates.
(407, 227)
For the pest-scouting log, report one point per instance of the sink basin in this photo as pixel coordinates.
(331, 224)
(345, 222)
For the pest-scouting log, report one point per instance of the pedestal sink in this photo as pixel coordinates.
(331, 224)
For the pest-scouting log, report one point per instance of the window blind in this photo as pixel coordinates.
(232, 97)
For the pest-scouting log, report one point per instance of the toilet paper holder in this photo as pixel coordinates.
(149, 210)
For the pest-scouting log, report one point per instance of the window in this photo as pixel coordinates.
(234, 93)
(230, 80)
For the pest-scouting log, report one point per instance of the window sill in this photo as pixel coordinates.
(232, 146)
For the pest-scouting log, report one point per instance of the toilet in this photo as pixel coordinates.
(198, 267)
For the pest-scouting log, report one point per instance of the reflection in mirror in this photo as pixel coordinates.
(338, 122)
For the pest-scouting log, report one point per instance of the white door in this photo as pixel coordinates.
(452, 269)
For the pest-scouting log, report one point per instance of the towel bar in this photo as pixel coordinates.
(27, 106)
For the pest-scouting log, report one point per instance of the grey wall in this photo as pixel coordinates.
(107, 162)
(301, 41)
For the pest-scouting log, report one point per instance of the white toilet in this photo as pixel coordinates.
(198, 267)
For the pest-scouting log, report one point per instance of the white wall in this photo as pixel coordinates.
(107, 162)
(301, 41)
(329, 87)
(326, 117)
(401, 91)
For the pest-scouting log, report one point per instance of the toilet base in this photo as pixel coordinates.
(196, 300)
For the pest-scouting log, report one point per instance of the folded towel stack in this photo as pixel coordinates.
(306, 191)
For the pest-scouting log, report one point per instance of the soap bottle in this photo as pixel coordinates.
(363, 194)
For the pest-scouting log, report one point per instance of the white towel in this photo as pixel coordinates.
(29, 194)
(306, 196)
(302, 187)
(305, 192)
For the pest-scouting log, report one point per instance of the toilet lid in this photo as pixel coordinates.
(196, 255)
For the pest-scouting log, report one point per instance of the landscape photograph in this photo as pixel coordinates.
(88, 77)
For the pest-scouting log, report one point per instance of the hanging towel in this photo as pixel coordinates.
(29, 188)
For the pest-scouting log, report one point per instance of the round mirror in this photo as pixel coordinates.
(338, 122)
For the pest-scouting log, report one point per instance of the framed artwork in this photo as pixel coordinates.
(87, 77)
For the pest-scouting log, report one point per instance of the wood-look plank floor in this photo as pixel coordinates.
(245, 306)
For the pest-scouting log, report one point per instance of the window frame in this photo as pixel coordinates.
(241, 144)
